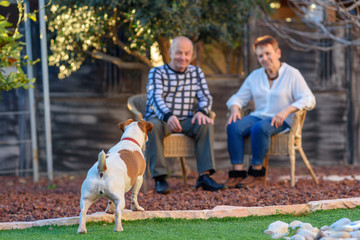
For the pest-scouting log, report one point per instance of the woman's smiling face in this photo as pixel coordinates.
(268, 57)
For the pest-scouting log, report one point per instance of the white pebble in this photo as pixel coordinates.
(340, 222)
(295, 224)
(298, 237)
(277, 229)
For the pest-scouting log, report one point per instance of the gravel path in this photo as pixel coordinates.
(23, 200)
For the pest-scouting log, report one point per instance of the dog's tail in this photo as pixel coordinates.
(102, 163)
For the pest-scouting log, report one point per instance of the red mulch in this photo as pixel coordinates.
(23, 200)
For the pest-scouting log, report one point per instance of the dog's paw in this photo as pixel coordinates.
(119, 229)
(137, 208)
(82, 231)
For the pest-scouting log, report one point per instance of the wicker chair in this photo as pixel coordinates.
(175, 145)
(286, 144)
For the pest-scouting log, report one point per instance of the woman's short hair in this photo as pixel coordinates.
(264, 40)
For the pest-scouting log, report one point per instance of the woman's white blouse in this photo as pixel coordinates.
(289, 88)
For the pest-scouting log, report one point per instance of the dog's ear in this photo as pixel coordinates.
(123, 124)
(145, 126)
(149, 126)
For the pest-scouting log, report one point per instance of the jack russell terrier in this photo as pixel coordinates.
(116, 172)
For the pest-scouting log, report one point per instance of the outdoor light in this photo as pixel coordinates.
(314, 13)
(275, 5)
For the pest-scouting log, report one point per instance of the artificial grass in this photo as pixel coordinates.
(215, 228)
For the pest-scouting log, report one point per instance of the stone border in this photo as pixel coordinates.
(219, 212)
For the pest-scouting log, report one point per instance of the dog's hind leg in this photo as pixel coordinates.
(110, 208)
(134, 194)
(84, 206)
(119, 206)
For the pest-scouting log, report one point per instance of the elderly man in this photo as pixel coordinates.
(278, 90)
(172, 91)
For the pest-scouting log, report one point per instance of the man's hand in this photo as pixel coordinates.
(201, 119)
(174, 124)
(234, 114)
(280, 117)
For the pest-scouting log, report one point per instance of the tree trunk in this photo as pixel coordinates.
(235, 61)
(164, 46)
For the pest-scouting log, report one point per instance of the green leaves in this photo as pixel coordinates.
(81, 27)
(77, 30)
(11, 73)
(15, 80)
(32, 16)
(4, 3)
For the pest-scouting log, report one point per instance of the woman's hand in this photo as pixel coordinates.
(280, 117)
(235, 114)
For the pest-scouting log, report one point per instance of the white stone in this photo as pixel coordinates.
(294, 224)
(325, 228)
(336, 178)
(334, 204)
(307, 226)
(340, 222)
(355, 225)
(355, 234)
(328, 238)
(308, 235)
(16, 225)
(343, 228)
(309, 229)
(339, 235)
(277, 229)
(298, 237)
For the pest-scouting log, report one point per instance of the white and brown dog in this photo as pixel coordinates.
(115, 173)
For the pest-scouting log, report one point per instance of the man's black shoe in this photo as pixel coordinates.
(207, 183)
(161, 185)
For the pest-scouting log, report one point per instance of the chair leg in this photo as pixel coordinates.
(292, 167)
(184, 170)
(266, 165)
(308, 166)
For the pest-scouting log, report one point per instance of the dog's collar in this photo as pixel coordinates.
(131, 139)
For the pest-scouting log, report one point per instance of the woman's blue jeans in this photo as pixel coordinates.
(260, 131)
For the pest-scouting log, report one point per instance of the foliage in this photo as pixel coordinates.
(10, 49)
(98, 28)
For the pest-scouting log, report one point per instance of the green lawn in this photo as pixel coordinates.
(215, 228)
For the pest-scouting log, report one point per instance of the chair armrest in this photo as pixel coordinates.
(246, 110)
(298, 123)
(212, 115)
(134, 110)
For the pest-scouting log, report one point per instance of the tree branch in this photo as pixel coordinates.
(311, 38)
(164, 46)
(134, 53)
(117, 61)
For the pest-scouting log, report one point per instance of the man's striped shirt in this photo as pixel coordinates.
(173, 93)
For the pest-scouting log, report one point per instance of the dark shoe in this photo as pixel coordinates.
(235, 177)
(255, 177)
(207, 183)
(161, 185)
